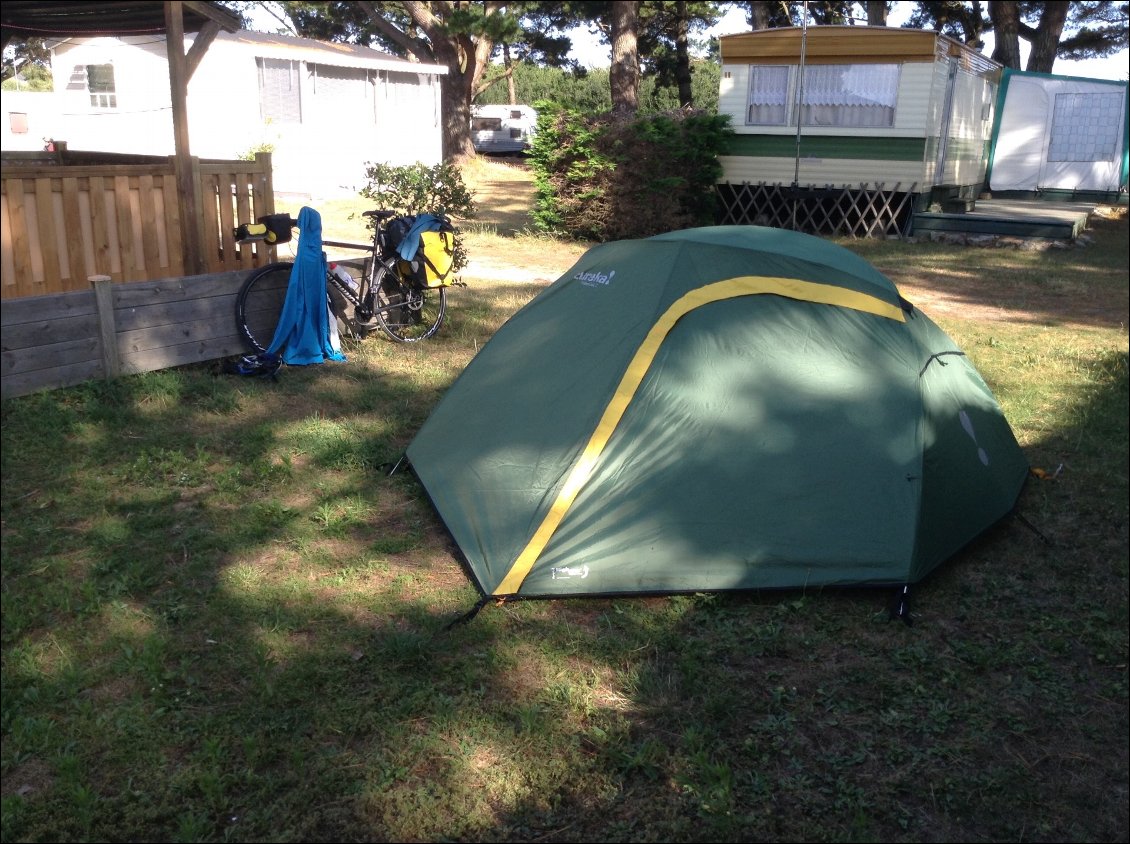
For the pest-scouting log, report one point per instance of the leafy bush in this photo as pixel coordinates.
(417, 189)
(605, 178)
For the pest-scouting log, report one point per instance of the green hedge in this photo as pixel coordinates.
(603, 178)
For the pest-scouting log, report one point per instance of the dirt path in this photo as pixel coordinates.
(504, 193)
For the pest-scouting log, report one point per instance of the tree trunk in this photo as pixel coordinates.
(758, 15)
(508, 63)
(455, 102)
(876, 13)
(1005, 15)
(624, 75)
(466, 60)
(1046, 43)
(682, 56)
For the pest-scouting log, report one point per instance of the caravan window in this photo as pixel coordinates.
(1085, 127)
(768, 95)
(861, 95)
(486, 124)
(844, 95)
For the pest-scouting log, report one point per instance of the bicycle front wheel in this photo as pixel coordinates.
(259, 304)
(406, 313)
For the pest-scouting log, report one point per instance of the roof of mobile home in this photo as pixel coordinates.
(270, 45)
(842, 44)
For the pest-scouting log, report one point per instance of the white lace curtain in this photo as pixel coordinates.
(768, 95)
(859, 95)
(850, 95)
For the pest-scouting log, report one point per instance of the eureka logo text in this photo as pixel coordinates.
(593, 279)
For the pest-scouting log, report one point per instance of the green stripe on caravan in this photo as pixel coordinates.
(715, 409)
(828, 146)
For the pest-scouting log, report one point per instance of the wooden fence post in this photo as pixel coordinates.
(107, 329)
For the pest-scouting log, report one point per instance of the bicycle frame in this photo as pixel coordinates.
(384, 298)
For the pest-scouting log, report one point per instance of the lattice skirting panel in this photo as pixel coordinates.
(864, 211)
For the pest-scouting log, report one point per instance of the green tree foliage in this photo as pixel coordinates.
(964, 22)
(587, 92)
(31, 77)
(1076, 30)
(606, 177)
(30, 58)
(1095, 30)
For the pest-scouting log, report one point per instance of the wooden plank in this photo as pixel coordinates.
(21, 248)
(27, 337)
(226, 245)
(127, 248)
(243, 215)
(50, 379)
(7, 265)
(37, 308)
(206, 327)
(100, 225)
(264, 203)
(82, 171)
(48, 236)
(143, 293)
(218, 309)
(104, 299)
(147, 207)
(972, 224)
(173, 227)
(193, 352)
(210, 251)
(72, 224)
(66, 352)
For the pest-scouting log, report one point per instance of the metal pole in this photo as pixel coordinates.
(799, 107)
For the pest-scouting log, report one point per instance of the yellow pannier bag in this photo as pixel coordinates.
(434, 260)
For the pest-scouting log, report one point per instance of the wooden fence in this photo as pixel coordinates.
(112, 329)
(117, 329)
(68, 216)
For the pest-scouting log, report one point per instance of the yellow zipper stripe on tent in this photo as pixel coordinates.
(792, 288)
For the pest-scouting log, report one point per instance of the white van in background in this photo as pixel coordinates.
(503, 128)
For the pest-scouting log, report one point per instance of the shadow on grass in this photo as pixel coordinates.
(222, 621)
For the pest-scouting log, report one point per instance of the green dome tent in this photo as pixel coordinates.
(721, 408)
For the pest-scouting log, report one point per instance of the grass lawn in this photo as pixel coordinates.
(222, 620)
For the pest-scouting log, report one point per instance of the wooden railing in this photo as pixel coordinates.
(68, 216)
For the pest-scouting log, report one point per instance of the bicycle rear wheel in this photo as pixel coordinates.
(260, 302)
(406, 313)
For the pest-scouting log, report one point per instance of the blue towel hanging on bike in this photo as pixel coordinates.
(410, 245)
(304, 335)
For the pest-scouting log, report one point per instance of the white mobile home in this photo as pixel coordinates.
(324, 110)
(875, 105)
(503, 128)
(1061, 137)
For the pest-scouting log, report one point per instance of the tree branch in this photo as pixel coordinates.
(417, 47)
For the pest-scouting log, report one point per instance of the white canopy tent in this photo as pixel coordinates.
(1059, 133)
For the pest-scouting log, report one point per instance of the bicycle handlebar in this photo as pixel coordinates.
(273, 228)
